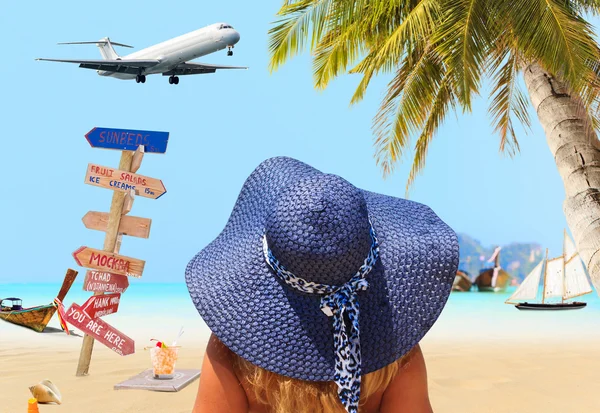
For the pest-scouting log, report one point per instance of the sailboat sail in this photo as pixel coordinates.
(576, 282)
(564, 277)
(569, 248)
(553, 286)
(530, 285)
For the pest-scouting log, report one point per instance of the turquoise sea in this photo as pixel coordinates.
(139, 298)
(137, 290)
(144, 291)
(467, 315)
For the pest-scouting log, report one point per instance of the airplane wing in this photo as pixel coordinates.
(113, 65)
(197, 69)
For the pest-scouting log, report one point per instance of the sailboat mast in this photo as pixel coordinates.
(497, 260)
(545, 269)
(564, 274)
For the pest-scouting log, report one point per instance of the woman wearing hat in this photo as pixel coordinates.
(317, 294)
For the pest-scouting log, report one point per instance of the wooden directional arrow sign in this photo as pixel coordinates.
(128, 139)
(105, 282)
(132, 226)
(100, 305)
(104, 333)
(107, 262)
(110, 178)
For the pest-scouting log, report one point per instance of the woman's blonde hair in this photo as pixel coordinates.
(284, 394)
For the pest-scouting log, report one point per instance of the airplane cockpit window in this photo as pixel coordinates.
(225, 26)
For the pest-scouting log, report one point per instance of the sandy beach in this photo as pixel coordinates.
(512, 363)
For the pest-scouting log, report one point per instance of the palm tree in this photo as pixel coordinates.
(440, 52)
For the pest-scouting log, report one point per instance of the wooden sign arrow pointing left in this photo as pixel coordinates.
(100, 305)
(110, 178)
(107, 262)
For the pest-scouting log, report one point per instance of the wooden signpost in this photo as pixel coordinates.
(108, 270)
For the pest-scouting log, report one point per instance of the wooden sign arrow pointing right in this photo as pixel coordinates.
(100, 330)
(117, 180)
(105, 282)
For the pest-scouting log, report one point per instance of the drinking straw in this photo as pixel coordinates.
(179, 335)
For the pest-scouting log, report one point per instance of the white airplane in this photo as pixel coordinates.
(171, 58)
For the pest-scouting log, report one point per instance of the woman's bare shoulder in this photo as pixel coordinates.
(219, 390)
(408, 391)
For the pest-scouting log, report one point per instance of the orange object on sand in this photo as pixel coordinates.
(32, 406)
(163, 361)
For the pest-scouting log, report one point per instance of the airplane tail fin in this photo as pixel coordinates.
(106, 47)
(107, 50)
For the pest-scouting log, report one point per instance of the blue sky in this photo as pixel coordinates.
(221, 127)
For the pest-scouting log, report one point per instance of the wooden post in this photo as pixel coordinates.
(111, 244)
(128, 203)
(137, 158)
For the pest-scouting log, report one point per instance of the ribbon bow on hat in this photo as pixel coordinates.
(338, 302)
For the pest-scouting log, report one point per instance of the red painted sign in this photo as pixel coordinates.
(107, 262)
(100, 330)
(105, 282)
(100, 305)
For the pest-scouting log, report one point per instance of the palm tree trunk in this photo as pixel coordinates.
(576, 151)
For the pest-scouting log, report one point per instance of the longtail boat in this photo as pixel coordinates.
(38, 317)
(493, 279)
(462, 281)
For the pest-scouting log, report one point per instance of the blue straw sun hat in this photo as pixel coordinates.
(315, 279)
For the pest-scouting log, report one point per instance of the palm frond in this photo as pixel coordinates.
(592, 93)
(335, 52)
(464, 41)
(439, 51)
(384, 30)
(404, 108)
(367, 68)
(414, 28)
(586, 6)
(560, 40)
(290, 34)
(361, 27)
(386, 52)
(508, 99)
(443, 100)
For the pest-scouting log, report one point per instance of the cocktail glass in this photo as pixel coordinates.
(163, 362)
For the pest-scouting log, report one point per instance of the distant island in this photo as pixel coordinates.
(518, 259)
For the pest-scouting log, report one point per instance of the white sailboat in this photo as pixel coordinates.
(564, 277)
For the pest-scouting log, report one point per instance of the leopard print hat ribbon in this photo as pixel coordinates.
(337, 301)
